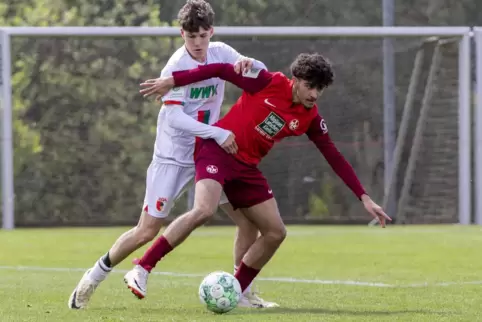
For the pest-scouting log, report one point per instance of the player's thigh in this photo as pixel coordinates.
(255, 199)
(164, 185)
(266, 217)
(213, 168)
(239, 218)
(248, 189)
(207, 196)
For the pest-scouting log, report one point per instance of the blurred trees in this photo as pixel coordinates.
(84, 137)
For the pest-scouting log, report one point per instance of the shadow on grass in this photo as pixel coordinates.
(347, 312)
(285, 310)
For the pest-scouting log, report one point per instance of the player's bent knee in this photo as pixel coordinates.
(148, 228)
(145, 235)
(276, 236)
(202, 214)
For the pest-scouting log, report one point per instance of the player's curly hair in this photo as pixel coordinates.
(196, 14)
(314, 69)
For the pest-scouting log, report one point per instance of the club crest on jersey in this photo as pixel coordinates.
(160, 204)
(212, 169)
(294, 124)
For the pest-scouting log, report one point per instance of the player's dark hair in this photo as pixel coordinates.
(314, 69)
(196, 14)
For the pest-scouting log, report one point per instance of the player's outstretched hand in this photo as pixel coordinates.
(230, 145)
(375, 210)
(159, 86)
(243, 65)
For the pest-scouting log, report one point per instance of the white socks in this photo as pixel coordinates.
(100, 271)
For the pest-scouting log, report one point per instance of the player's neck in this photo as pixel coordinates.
(199, 60)
(296, 99)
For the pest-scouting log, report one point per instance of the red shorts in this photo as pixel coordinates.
(244, 185)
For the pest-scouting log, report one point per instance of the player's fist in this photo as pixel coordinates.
(375, 210)
(159, 86)
(229, 145)
(243, 65)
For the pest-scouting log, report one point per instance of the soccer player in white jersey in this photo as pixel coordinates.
(172, 168)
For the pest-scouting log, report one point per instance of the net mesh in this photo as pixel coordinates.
(84, 136)
(433, 193)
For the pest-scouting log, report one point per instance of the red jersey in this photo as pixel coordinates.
(260, 119)
(265, 114)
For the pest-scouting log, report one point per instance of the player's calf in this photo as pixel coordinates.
(146, 230)
(266, 217)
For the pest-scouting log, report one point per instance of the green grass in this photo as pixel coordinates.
(399, 256)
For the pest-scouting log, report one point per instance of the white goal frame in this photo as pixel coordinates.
(478, 125)
(464, 103)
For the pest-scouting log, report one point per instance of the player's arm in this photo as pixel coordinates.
(252, 82)
(173, 103)
(175, 117)
(318, 134)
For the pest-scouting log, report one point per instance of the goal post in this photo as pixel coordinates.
(478, 126)
(463, 100)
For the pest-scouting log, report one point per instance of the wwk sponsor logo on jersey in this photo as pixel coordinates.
(204, 92)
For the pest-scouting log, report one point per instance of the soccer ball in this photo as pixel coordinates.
(220, 292)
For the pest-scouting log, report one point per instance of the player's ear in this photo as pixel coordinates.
(295, 81)
(183, 35)
(211, 32)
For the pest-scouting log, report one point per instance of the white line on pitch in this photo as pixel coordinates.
(271, 279)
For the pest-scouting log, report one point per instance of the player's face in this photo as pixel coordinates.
(197, 43)
(305, 94)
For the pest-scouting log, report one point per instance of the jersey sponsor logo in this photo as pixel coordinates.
(294, 124)
(323, 126)
(272, 125)
(212, 169)
(203, 92)
(177, 93)
(160, 203)
(269, 103)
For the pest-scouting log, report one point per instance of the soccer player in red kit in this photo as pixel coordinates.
(271, 108)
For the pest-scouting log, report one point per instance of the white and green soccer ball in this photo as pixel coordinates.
(220, 292)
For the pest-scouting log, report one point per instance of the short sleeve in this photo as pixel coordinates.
(228, 54)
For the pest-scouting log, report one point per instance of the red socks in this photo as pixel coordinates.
(153, 255)
(245, 275)
(161, 247)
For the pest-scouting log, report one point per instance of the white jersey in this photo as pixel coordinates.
(202, 101)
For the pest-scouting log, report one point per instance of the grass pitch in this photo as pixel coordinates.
(406, 273)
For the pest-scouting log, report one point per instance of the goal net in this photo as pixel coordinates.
(83, 136)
